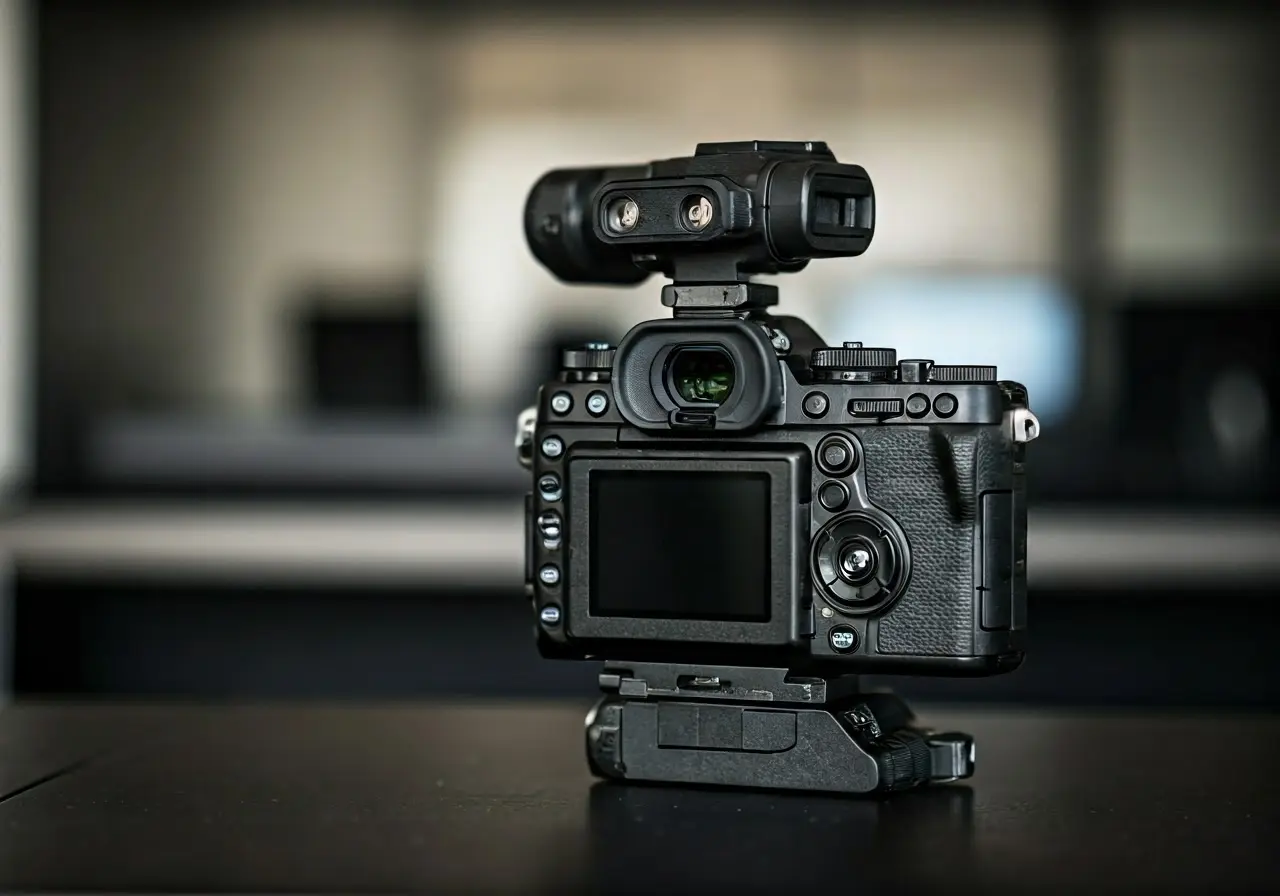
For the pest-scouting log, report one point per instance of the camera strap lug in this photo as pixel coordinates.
(1025, 426)
(526, 425)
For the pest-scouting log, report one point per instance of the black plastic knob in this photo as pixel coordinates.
(593, 363)
(852, 356)
(959, 374)
(594, 356)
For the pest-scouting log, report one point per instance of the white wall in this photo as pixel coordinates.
(358, 142)
(319, 121)
(14, 386)
(1187, 160)
(953, 119)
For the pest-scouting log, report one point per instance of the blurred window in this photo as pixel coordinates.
(1025, 325)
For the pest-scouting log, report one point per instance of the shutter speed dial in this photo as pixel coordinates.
(853, 363)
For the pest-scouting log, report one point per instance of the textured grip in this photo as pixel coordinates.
(954, 453)
(929, 480)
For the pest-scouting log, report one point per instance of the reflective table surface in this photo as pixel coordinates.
(490, 798)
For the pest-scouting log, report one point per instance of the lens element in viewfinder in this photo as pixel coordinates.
(702, 375)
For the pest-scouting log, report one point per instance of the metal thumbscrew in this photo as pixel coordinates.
(697, 212)
(624, 214)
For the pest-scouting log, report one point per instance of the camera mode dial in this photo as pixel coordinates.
(853, 362)
(593, 363)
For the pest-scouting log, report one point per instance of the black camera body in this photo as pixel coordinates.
(724, 489)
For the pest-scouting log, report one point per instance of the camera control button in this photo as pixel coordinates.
(550, 615)
(549, 575)
(815, 404)
(836, 456)
(833, 496)
(552, 447)
(549, 487)
(918, 405)
(843, 639)
(562, 402)
(945, 404)
(549, 528)
(597, 403)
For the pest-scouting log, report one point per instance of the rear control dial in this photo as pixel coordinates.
(859, 562)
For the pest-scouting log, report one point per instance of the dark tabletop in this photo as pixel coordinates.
(493, 798)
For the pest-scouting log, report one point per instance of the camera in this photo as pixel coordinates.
(722, 489)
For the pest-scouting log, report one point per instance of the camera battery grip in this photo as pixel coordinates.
(764, 728)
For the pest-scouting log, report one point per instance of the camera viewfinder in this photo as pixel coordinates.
(702, 375)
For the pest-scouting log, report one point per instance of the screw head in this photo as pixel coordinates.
(550, 615)
(623, 215)
(856, 562)
(697, 212)
(597, 403)
(552, 447)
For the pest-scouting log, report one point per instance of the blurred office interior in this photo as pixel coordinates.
(267, 315)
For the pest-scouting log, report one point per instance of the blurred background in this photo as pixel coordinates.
(266, 316)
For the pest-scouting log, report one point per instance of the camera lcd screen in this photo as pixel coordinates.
(680, 545)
